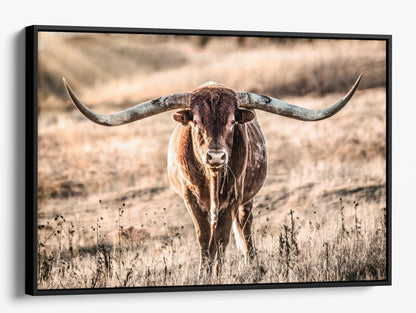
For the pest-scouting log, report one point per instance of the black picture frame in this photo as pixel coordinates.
(32, 83)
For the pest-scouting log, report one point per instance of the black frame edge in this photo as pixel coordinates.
(31, 90)
(207, 32)
(389, 129)
(212, 287)
(31, 161)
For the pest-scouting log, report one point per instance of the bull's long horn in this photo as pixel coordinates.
(142, 110)
(272, 105)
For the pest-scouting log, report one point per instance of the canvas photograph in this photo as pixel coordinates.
(209, 160)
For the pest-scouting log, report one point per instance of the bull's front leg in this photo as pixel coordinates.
(220, 236)
(203, 231)
(245, 221)
(221, 219)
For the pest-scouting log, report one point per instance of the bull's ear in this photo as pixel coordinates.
(244, 115)
(183, 116)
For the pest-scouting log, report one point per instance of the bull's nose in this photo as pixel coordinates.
(216, 158)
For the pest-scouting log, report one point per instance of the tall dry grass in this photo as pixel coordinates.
(107, 216)
(349, 244)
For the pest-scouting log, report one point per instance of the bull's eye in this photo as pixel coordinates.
(201, 138)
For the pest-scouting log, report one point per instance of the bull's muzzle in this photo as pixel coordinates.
(216, 158)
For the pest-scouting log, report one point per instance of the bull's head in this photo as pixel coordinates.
(212, 116)
(211, 111)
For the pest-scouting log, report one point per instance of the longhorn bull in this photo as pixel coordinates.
(217, 156)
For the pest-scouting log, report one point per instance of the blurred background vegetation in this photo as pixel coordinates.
(151, 65)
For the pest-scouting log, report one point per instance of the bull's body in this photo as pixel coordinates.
(217, 198)
(238, 183)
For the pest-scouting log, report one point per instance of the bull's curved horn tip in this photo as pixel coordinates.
(355, 86)
(66, 84)
(360, 76)
(358, 79)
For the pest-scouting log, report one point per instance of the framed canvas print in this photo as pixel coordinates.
(171, 160)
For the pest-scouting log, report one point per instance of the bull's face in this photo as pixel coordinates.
(212, 117)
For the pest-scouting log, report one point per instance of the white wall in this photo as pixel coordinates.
(352, 16)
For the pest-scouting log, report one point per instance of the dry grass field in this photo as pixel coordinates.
(107, 216)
